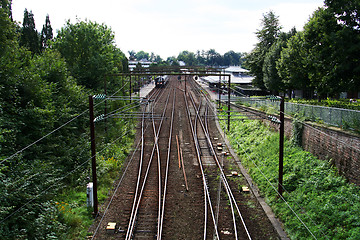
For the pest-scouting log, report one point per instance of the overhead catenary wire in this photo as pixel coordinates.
(57, 181)
(285, 189)
(282, 198)
(63, 177)
(84, 149)
(267, 179)
(53, 131)
(312, 127)
(225, 182)
(206, 191)
(137, 199)
(120, 181)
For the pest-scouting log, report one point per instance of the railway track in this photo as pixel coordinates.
(157, 197)
(201, 131)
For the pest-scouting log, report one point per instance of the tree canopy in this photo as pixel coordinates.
(267, 36)
(43, 126)
(90, 52)
(46, 34)
(324, 57)
(200, 58)
(29, 36)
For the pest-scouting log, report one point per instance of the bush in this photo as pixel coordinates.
(324, 201)
(337, 103)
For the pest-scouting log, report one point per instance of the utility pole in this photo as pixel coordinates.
(219, 91)
(185, 83)
(229, 104)
(130, 88)
(93, 154)
(281, 146)
(105, 110)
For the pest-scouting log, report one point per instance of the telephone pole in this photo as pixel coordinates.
(93, 154)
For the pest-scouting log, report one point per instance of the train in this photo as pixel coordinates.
(161, 81)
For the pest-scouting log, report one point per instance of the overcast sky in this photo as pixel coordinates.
(168, 27)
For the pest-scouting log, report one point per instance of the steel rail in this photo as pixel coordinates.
(222, 176)
(159, 174)
(117, 187)
(156, 94)
(218, 198)
(226, 184)
(138, 179)
(166, 171)
(206, 191)
(228, 190)
(197, 146)
(196, 139)
(159, 163)
(137, 200)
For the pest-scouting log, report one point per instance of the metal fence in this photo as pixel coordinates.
(332, 116)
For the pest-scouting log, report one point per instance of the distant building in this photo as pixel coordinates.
(181, 63)
(144, 63)
(239, 77)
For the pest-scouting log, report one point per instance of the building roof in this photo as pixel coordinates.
(238, 76)
(235, 69)
(144, 63)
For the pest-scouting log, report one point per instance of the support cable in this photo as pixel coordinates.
(50, 133)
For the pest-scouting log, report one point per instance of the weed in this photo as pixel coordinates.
(324, 201)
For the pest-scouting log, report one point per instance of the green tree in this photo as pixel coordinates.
(266, 37)
(46, 97)
(46, 34)
(6, 6)
(188, 57)
(142, 55)
(201, 57)
(322, 41)
(90, 52)
(172, 61)
(292, 65)
(232, 58)
(346, 11)
(132, 55)
(348, 41)
(213, 58)
(272, 78)
(36, 95)
(29, 37)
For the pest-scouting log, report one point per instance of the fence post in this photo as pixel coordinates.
(281, 147)
(229, 104)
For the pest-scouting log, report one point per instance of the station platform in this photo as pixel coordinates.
(145, 90)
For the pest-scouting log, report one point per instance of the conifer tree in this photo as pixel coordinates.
(29, 36)
(46, 34)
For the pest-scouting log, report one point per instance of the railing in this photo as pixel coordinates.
(333, 116)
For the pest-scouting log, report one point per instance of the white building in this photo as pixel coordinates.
(239, 77)
(144, 63)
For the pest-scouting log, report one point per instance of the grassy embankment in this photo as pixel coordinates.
(327, 204)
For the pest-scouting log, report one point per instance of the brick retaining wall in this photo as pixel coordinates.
(342, 148)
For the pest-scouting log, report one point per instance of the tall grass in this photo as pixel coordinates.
(324, 201)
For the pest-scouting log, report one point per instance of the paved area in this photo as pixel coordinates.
(146, 89)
